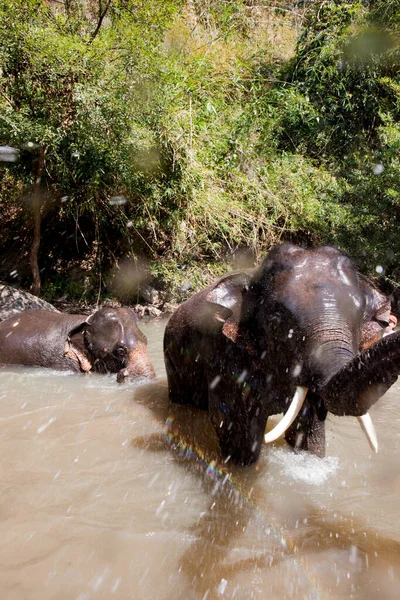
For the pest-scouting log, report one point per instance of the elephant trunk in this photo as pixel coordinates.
(362, 381)
(139, 364)
(344, 377)
(329, 357)
(331, 343)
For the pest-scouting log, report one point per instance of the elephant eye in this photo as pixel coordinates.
(383, 322)
(120, 351)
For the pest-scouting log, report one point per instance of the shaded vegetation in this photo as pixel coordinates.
(177, 137)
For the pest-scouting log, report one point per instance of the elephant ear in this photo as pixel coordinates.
(377, 314)
(227, 299)
(72, 351)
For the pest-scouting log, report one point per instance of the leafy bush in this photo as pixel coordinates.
(183, 133)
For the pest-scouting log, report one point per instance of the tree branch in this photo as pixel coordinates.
(102, 15)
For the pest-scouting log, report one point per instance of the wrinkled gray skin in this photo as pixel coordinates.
(14, 301)
(108, 341)
(240, 347)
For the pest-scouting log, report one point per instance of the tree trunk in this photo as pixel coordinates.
(37, 202)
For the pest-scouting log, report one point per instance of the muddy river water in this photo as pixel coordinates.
(108, 491)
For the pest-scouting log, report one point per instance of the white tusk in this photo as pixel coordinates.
(388, 333)
(289, 416)
(368, 428)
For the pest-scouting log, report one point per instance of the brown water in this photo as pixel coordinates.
(109, 492)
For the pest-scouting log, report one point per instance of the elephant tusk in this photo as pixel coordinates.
(368, 428)
(289, 416)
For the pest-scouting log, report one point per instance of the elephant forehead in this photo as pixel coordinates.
(116, 332)
(313, 269)
(106, 315)
(311, 293)
(110, 328)
(334, 268)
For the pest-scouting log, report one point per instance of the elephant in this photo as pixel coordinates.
(302, 334)
(107, 341)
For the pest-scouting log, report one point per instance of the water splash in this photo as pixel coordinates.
(303, 466)
(226, 481)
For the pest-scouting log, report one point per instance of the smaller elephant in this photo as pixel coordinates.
(107, 341)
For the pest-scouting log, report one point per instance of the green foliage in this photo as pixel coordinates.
(340, 105)
(184, 132)
(335, 93)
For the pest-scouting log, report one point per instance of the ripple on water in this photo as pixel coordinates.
(304, 467)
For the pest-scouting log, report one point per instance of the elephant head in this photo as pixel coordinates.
(110, 341)
(312, 328)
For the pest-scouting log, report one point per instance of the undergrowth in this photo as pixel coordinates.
(187, 137)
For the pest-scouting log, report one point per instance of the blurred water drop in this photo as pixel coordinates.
(379, 269)
(186, 286)
(242, 376)
(46, 425)
(117, 200)
(127, 278)
(116, 585)
(160, 508)
(297, 370)
(222, 586)
(99, 580)
(378, 168)
(8, 154)
(215, 382)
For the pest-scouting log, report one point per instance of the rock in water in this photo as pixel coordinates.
(14, 301)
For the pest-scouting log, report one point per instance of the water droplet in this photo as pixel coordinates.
(160, 508)
(46, 425)
(8, 154)
(242, 376)
(378, 168)
(117, 200)
(222, 586)
(297, 370)
(215, 382)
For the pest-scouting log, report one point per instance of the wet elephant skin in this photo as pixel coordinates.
(240, 348)
(107, 341)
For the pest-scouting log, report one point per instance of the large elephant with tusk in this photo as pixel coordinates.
(304, 334)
